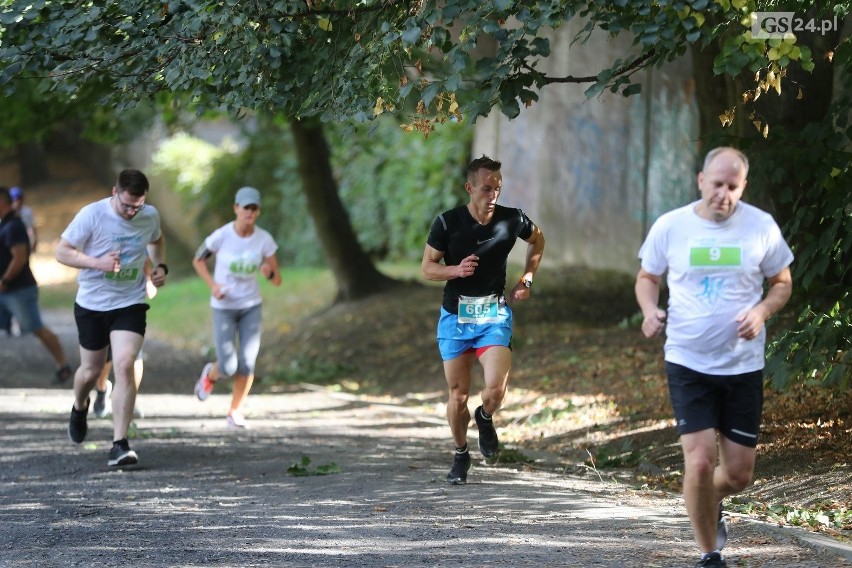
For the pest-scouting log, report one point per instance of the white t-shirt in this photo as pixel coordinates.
(715, 273)
(96, 230)
(238, 261)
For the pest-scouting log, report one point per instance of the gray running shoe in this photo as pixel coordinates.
(99, 407)
(721, 530)
(488, 443)
(204, 386)
(458, 474)
(121, 455)
(77, 425)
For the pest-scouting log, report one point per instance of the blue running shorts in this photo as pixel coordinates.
(456, 339)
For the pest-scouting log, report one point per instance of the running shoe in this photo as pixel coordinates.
(458, 474)
(237, 420)
(77, 425)
(64, 373)
(121, 454)
(99, 408)
(488, 443)
(204, 386)
(721, 530)
(712, 560)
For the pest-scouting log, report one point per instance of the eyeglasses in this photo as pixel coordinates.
(129, 208)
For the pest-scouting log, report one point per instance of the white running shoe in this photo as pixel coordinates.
(237, 420)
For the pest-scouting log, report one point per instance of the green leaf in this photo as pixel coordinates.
(411, 35)
(595, 90)
(632, 89)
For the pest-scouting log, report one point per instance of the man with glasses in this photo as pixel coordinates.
(110, 241)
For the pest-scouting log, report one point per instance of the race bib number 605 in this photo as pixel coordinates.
(482, 309)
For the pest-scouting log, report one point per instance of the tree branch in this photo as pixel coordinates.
(593, 78)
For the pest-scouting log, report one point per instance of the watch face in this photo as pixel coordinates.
(527, 283)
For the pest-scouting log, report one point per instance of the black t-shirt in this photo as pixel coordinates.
(14, 232)
(458, 235)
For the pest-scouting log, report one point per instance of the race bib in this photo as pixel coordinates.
(123, 275)
(712, 254)
(482, 309)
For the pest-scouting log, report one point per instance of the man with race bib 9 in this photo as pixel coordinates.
(717, 254)
(474, 242)
(110, 241)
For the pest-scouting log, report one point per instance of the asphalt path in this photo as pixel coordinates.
(320, 479)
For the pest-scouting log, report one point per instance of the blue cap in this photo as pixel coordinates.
(247, 196)
(16, 193)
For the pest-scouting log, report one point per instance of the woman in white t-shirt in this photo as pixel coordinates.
(242, 249)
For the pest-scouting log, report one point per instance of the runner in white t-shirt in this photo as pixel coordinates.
(110, 241)
(242, 250)
(717, 253)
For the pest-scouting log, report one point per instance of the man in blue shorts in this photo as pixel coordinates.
(718, 251)
(468, 248)
(18, 288)
(111, 241)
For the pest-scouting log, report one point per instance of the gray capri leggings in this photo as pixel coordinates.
(237, 337)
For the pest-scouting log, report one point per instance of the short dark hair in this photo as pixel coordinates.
(133, 182)
(478, 164)
(4, 194)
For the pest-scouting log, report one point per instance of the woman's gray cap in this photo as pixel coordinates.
(247, 196)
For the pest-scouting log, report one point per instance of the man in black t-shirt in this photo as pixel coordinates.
(474, 242)
(18, 289)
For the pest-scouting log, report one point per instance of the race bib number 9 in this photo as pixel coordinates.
(711, 253)
(481, 309)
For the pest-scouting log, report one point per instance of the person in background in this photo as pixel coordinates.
(110, 241)
(242, 250)
(718, 252)
(18, 287)
(26, 215)
(468, 248)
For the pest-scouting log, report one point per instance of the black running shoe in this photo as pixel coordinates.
(461, 463)
(721, 530)
(121, 454)
(77, 426)
(712, 560)
(488, 443)
(63, 374)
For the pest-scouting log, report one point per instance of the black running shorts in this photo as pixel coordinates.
(94, 327)
(731, 404)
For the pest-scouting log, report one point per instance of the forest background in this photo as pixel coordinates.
(80, 78)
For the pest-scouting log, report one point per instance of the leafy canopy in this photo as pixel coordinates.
(354, 59)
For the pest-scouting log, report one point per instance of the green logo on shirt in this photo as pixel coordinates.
(715, 256)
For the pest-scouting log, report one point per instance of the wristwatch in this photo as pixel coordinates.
(165, 268)
(527, 282)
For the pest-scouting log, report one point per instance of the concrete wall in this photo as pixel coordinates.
(594, 174)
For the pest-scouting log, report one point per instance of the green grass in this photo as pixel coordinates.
(181, 313)
(57, 296)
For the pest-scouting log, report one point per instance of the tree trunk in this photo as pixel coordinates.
(356, 275)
